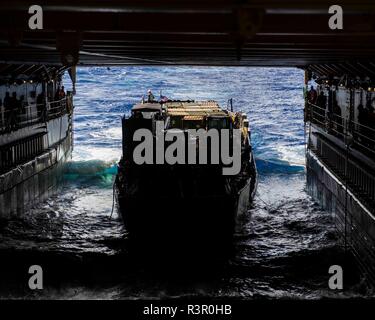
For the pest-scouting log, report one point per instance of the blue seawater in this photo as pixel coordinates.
(272, 98)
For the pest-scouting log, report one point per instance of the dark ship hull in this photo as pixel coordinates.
(193, 205)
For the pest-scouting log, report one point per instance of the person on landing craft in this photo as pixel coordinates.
(150, 96)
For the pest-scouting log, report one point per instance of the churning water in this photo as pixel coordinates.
(282, 250)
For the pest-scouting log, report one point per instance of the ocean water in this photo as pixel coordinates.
(282, 250)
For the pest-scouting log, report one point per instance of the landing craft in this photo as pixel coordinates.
(184, 201)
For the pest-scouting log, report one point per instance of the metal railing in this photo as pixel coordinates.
(27, 115)
(358, 178)
(362, 136)
(20, 151)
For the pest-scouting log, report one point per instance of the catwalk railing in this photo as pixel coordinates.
(21, 151)
(27, 115)
(359, 135)
(24, 149)
(358, 176)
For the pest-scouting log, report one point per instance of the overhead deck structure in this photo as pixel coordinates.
(17, 73)
(204, 32)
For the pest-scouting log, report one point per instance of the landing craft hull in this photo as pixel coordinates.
(198, 221)
(196, 203)
(148, 217)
